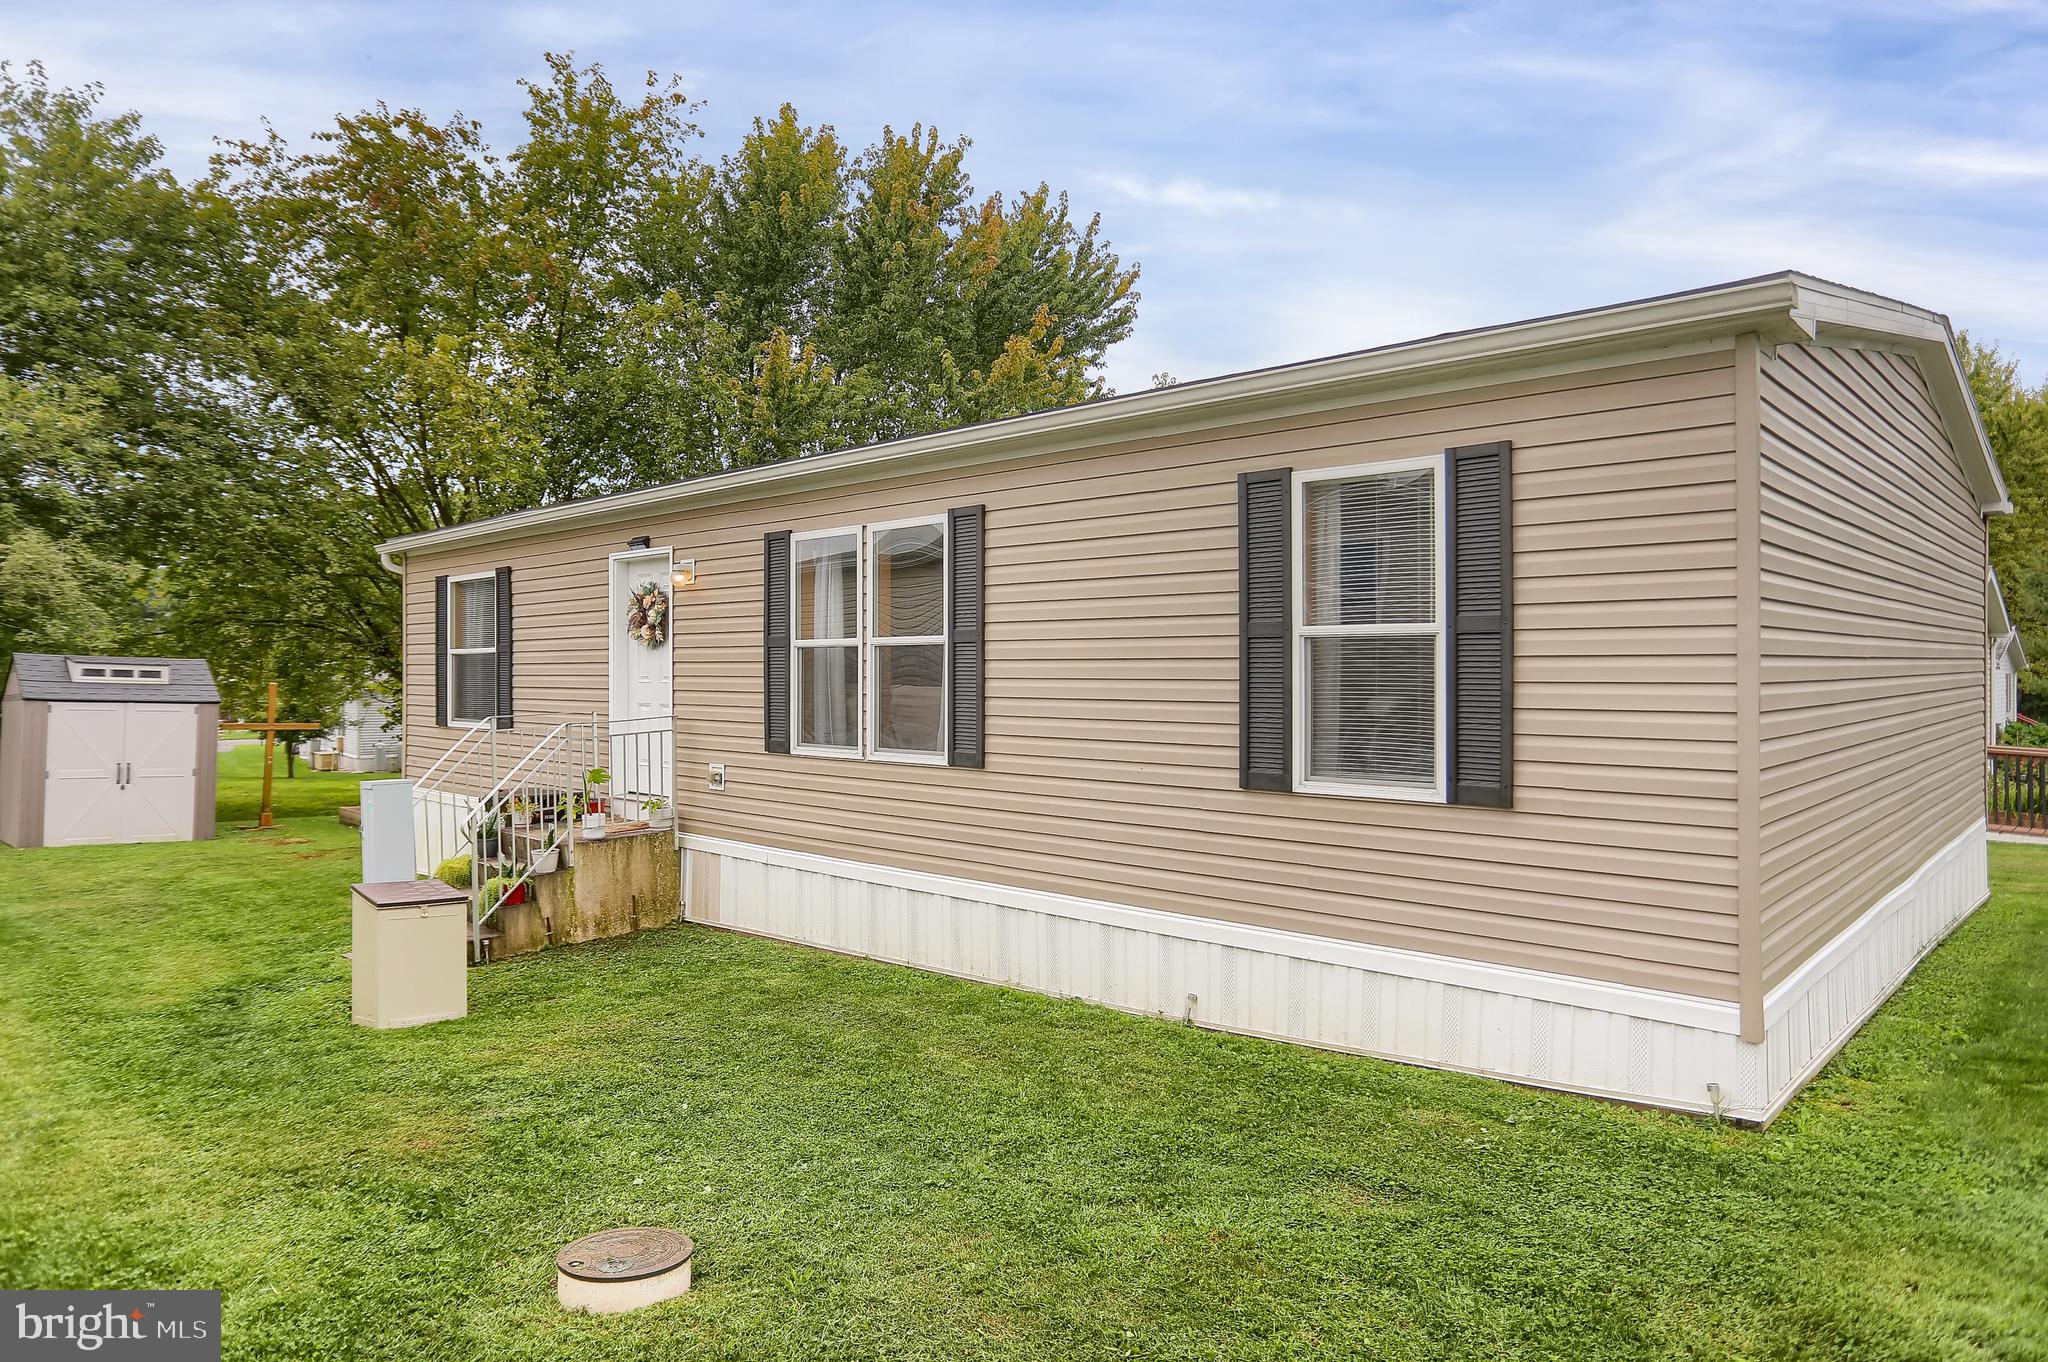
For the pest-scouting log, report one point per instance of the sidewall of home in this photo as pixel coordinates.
(1112, 695)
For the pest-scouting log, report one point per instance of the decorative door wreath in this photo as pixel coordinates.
(647, 614)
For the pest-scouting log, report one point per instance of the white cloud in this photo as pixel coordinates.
(1978, 161)
(1187, 195)
(561, 28)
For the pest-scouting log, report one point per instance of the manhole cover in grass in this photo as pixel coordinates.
(623, 1269)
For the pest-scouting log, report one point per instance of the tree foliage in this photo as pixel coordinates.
(217, 397)
(2016, 419)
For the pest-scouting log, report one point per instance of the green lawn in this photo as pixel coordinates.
(884, 1164)
(304, 795)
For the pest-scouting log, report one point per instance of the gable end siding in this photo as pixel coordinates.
(1873, 697)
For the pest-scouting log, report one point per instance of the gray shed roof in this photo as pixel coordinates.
(47, 676)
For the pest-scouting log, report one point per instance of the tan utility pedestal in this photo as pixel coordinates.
(407, 950)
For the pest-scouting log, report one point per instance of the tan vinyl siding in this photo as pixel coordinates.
(1873, 558)
(1112, 626)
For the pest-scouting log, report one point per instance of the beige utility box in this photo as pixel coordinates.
(408, 953)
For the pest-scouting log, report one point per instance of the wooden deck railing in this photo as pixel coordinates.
(2017, 792)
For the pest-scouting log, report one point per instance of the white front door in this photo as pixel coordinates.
(642, 689)
(82, 791)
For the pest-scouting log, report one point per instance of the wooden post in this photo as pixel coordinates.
(269, 750)
(270, 728)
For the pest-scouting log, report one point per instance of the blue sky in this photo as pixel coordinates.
(1295, 180)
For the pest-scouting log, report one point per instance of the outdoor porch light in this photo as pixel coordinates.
(686, 572)
(639, 541)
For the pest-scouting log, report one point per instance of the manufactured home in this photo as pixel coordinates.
(1596, 701)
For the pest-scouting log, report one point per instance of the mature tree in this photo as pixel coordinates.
(2016, 419)
(234, 389)
(110, 367)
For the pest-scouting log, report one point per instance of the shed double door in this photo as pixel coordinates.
(120, 773)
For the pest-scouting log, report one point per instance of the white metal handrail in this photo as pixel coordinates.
(547, 788)
(428, 781)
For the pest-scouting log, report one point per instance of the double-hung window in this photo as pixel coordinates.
(1369, 632)
(907, 640)
(825, 631)
(868, 612)
(472, 648)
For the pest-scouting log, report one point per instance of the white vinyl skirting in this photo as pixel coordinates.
(1552, 1030)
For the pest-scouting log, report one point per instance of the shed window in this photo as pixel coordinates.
(472, 649)
(1369, 631)
(125, 673)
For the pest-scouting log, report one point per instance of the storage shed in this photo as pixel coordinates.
(107, 749)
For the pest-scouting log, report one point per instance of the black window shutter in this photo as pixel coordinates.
(965, 655)
(504, 647)
(1480, 588)
(775, 642)
(1265, 669)
(441, 651)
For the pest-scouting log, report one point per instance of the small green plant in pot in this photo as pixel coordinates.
(594, 782)
(487, 837)
(656, 810)
(503, 887)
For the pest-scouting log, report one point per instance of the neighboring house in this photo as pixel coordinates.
(367, 739)
(2008, 658)
(1593, 701)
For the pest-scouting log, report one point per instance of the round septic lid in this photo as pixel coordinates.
(625, 1255)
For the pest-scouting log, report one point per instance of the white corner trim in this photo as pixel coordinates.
(1706, 1014)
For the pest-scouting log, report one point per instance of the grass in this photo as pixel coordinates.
(307, 794)
(879, 1163)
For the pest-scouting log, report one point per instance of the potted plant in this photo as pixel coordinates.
(505, 888)
(594, 781)
(655, 809)
(523, 813)
(487, 837)
(548, 859)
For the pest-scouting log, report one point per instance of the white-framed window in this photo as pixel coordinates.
(126, 673)
(868, 612)
(1369, 630)
(825, 634)
(906, 657)
(472, 648)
